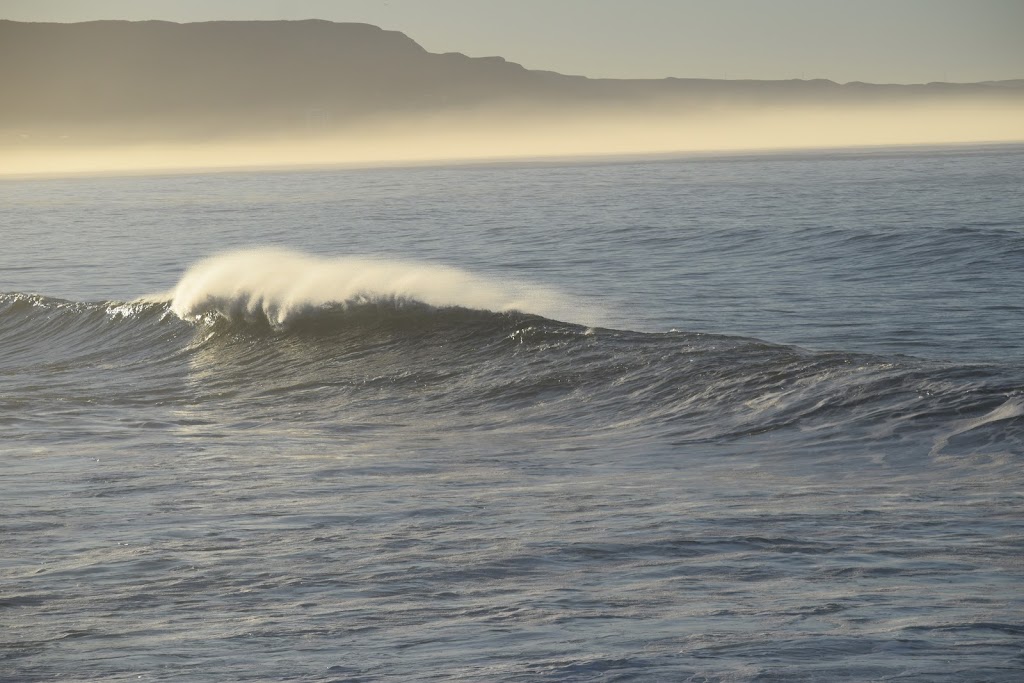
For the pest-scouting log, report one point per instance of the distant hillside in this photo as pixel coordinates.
(144, 79)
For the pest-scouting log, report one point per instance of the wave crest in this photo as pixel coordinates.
(278, 286)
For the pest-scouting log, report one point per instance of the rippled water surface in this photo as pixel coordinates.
(734, 418)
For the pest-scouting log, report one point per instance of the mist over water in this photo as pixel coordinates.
(517, 131)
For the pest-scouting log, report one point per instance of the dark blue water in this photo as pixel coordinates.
(714, 419)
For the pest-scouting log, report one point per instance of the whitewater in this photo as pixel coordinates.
(719, 418)
(278, 286)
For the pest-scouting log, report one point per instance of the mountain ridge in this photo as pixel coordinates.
(206, 79)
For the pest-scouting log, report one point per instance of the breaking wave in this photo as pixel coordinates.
(281, 287)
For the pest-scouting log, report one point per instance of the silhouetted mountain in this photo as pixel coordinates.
(156, 78)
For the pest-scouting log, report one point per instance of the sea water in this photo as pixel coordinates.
(712, 418)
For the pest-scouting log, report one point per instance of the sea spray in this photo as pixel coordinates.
(275, 285)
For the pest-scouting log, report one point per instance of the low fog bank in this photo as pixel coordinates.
(516, 133)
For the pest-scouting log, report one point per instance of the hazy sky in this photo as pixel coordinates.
(894, 41)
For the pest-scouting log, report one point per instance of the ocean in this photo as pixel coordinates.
(744, 417)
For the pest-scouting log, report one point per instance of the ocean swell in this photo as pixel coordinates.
(230, 342)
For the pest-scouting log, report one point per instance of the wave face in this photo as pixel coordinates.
(356, 342)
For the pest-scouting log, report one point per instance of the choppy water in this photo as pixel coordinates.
(710, 419)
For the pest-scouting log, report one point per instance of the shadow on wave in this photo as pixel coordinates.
(30, 319)
(392, 316)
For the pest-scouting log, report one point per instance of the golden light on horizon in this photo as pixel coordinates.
(497, 134)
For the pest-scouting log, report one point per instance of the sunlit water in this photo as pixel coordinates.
(720, 418)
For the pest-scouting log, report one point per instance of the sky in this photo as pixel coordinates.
(879, 41)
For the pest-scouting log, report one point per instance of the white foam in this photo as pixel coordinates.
(276, 284)
(1012, 408)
